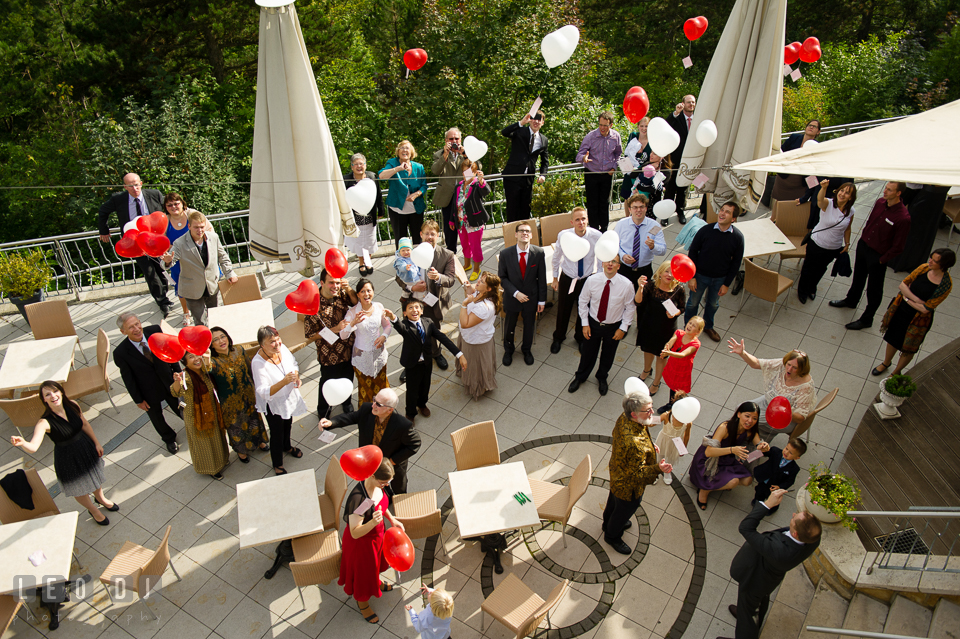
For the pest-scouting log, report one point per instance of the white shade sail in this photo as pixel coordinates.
(924, 148)
(742, 94)
(298, 203)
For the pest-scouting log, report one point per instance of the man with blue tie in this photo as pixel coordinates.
(640, 239)
(567, 271)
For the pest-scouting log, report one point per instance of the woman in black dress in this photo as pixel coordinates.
(76, 452)
(655, 326)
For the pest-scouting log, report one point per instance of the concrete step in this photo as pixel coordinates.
(946, 621)
(907, 618)
(865, 613)
(827, 609)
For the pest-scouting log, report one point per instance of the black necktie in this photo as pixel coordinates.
(533, 137)
(139, 210)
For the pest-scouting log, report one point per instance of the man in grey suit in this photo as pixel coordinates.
(200, 253)
(446, 165)
(523, 275)
(765, 559)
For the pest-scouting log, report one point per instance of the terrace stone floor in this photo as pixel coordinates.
(676, 583)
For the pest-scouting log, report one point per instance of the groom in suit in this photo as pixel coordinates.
(132, 203)
(527, 145)
(523, 275)
(764, 560)
(681, 121)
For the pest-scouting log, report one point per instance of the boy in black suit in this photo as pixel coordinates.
(415, 356)
(780, 470)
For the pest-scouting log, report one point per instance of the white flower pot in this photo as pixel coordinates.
(805, 504)
(889, 405)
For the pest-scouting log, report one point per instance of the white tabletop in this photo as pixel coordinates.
(762, 237)
(483, 498)
(278, 508)
(53, 536)
(242, 320)
(31, 363)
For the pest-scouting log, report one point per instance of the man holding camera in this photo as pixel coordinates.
(446, 166)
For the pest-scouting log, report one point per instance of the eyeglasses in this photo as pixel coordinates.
(379, 405)
(454, 138)
(526, 231)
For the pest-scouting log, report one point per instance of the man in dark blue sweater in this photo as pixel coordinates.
(717, 251)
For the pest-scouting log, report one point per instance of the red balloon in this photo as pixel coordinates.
(166, 347)
(415, 58)
(791, 52)
(156, 222)
(335, 262)
(305, 300)
(695, 27)
(153, 244)
(195, 339)
(128, 247)
(360, 463)
(779, 413)
(810, 50)
(636, 104)
(683, 268)
(398, 549)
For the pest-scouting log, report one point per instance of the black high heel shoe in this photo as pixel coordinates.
(112, 509)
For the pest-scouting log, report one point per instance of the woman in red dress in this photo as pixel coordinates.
(363, 560)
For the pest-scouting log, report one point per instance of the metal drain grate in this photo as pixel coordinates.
(902, 542)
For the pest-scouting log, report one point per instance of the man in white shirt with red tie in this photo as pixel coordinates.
(567, 271)
(606, 311)
(681, 120)
(523, 275)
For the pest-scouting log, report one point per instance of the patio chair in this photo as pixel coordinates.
(92, 379)
(476, 446)
(334, 489)
(510, 232)
(52, 319)
(804, 426)
(293, 335)
(951, 208)
(316, 560)
(247, 289)
(420, 515)
(518, 608)
(763, 283)
(43, 504)
(791, 218)
(24, 412)
(555, 502)
(550, 227)
(9, 606)
(136, 567)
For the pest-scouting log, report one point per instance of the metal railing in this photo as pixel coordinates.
(830, 132)
(932, 533)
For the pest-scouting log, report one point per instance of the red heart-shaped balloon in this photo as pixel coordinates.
(683, 268)
(305, 300)
(166, 347)
(636, 104)
(128, 247)
(360, 463)
(810, 50)
(398, 550)
(414, 59)
(195, 339)
(153, 244)
(335, 262)
(695, 27)
(791, 52)
(779, 413)
(156, 222)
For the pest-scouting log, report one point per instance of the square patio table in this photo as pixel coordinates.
(31, 363)
(483, 498)
(54, 536)
(242, 320)
(761, 237)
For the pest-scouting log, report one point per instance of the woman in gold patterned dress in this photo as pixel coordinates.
(202, 417)
(230, 372)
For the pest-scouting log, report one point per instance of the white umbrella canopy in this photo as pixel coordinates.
(922, 149)
(742, 94)
(298, 203)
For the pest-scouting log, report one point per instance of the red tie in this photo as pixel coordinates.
(689, 122)
(523, 264)
(602, 310)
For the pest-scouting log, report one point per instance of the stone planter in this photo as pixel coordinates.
(818, 511)
(22, 302)
(888, 407)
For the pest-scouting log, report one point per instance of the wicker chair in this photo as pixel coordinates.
(510, 233)
(293, 335)
(137, 567)
(419, 514)
(550, 227)
(765, 284)
(43, 504)
(804, 426)
(247, 289)
(334, 489)
(518, 608)
(52, 319)
(24, 412)
(951, 208)
(9, 606)
(791, 218)
(476, 446)
(316, 560)
(92, 379)
(555, 502)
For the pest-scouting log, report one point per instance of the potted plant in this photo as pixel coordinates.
(24, 277)
(554, 196)
(828, 496)
(895, 390)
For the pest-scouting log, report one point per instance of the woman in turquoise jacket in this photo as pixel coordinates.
(408, 185)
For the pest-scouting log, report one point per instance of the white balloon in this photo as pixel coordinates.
(635, 385)
(663, 139)
(422, 255)
(571, 33)
(607, 249)
(610, 236)
(362, 196)
(557, 46)
(686, 410)
(474, 148)
(664, 208)
(706, 133)
(337, 391)
(573, 246)
(130, 226)
(810, 143)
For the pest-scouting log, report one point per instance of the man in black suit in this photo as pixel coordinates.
(527, 145)
(382, 426)
(681, 120)
(779, 471)
(762, 562)
(523, 275)
(146, 376)
(415, 356)
(134, 202)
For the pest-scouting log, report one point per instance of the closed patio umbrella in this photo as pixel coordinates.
(298, 204)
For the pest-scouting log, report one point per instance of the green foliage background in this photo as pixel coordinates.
(94, 88)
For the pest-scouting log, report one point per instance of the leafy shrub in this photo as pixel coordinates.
(834, 492)
(554, 196)
(23, 274)
(900, 385)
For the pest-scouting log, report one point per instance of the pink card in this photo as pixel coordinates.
(536, 105)
(795, 75)
(755, 455)
(364, 506)
(700, 180)
(678, 442)
(687, 62)
(573, 285)
(812, 181)
(787, 69)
